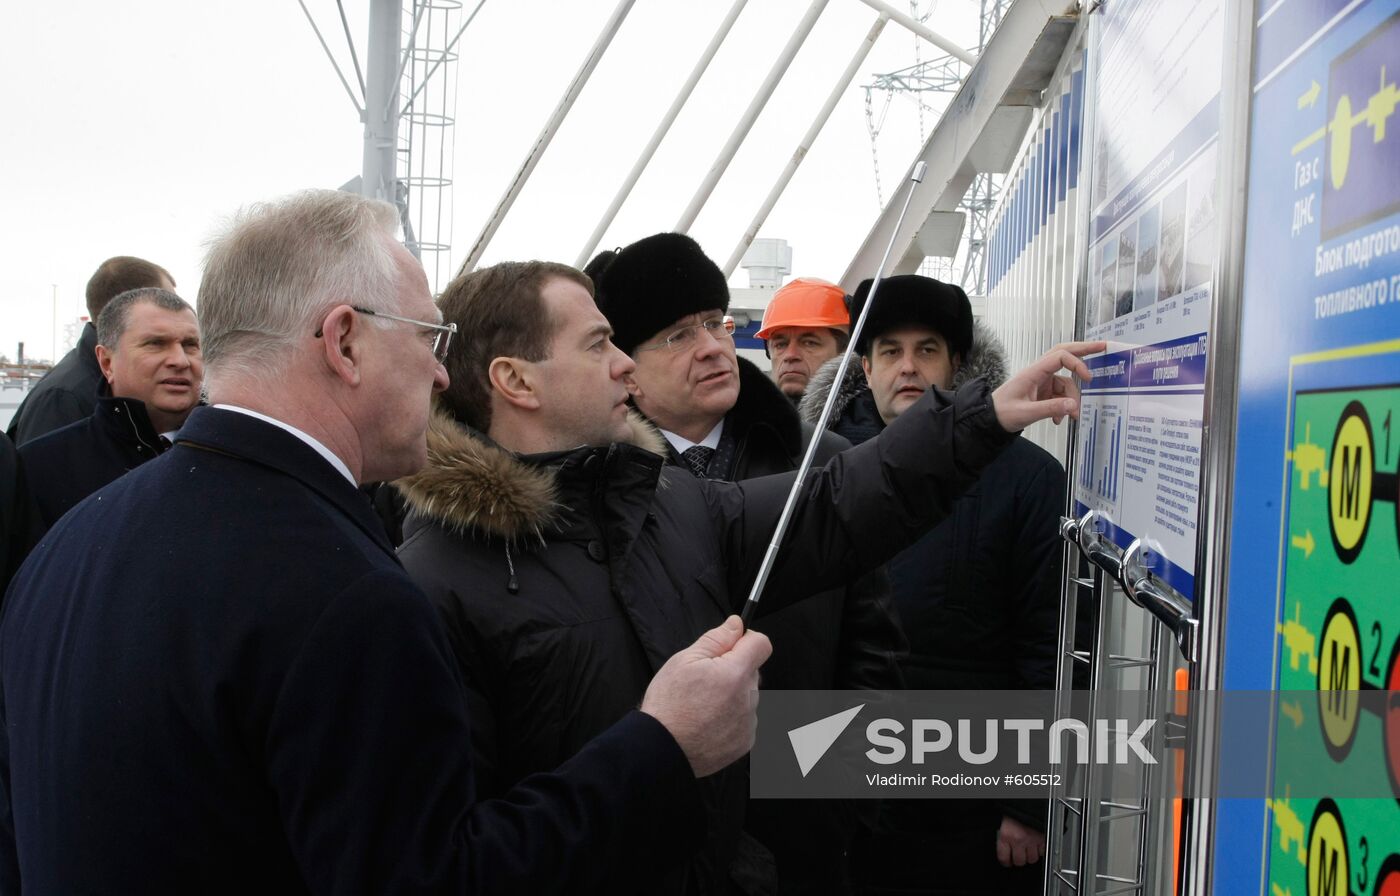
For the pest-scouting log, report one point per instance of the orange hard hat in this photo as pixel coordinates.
(805, 302)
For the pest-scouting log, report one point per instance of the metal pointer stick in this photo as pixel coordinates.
(771, 555)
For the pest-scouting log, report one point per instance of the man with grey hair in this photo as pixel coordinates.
(148, 352)
(218, 679)
(68, 392)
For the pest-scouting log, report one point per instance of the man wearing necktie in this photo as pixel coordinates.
(724, 419)
(149, 353)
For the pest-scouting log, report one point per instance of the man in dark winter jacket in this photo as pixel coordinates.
(217, 678)
(568, 560)
(723, 419)
(148, 352)
(15, 510)
(68, 392)
(978, 596)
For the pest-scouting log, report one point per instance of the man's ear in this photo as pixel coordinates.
(511, 379)
(104, 361)
(865, 365)
(633, 387)
(342, 336)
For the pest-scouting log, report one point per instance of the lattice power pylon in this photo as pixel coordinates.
(407, 100)
(923, 80)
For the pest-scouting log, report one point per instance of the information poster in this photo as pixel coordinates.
(1314, 583)
(1153, 244)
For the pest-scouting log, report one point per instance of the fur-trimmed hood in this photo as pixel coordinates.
(470, 483)
(986, 359)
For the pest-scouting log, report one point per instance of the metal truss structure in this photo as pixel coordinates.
(406, 100)
(942, 76)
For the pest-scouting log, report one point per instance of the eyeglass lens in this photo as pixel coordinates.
(719, 327)
(441, 341)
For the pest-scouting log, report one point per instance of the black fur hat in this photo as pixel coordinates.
(911, 299)
(646, 287)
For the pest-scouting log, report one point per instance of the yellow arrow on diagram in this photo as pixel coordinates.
(1294, 712)
(1310, 97)
(1305, 543)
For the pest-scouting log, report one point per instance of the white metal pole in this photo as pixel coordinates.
(770, 557)
(922, 30)
(379, 169)
(805, 146)
(741, 130)
(335, 65)
(661, 130)
(542, 141)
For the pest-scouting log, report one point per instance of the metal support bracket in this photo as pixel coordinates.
(1161, 600)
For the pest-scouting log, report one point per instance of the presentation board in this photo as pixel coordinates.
(1152, 249)
(1314, 578)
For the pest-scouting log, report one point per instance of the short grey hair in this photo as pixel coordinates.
(111, 322)
(280, 266)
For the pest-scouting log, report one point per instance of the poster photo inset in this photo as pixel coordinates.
(1171, 253)
(1107, 294)
(1148, 231)
(1127, 271)
(1201, 241)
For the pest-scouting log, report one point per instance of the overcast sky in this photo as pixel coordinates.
(134, 128)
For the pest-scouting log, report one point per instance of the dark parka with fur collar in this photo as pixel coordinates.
(566, 580)
(978, 596)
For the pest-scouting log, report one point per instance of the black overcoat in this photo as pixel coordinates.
(64, 395)
(63, 467)
(217, 678)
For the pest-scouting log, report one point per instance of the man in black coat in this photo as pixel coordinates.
(216, 677)
(148, 352)
(978, 596)
(68, 392)
(568, 559)
(723, 419)
(15, 510)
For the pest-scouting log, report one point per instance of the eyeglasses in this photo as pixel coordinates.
(441, 333)
(683, 339)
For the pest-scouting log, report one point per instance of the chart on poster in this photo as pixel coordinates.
(1315, 541)
(1153, 244)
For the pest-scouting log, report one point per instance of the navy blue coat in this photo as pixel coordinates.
(217, 678)
(66, 394)
(63, 467)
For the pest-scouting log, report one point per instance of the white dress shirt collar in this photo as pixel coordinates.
(680, 443)
(315, 445)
